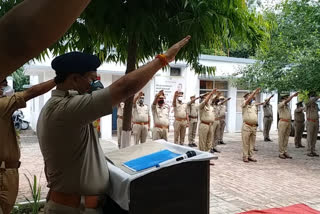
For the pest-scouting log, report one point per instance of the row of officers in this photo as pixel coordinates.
(250, 124)
(209, 118)
(211, 112)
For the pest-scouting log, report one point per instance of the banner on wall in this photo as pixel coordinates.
(169, 85)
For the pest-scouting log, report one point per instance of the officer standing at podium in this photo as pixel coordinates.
(181, 119)
(160, 113)
(141, 119)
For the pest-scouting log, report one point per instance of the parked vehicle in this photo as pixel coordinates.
(18, 122)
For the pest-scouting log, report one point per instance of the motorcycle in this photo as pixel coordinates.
(18, 122)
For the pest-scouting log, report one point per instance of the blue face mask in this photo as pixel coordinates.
(95, 85)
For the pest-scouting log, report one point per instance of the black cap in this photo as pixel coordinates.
(75, 62)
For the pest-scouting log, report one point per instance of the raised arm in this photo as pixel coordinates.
(252, 95)
(268, 100)
(38, 90)
(174, 101)
(134, 81)
(155, 101)
(290, 98)
(136, 98)
(31, 27)
(226, 100)
(209, 96)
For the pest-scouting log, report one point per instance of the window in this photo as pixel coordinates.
(174, 71)
(209, 85)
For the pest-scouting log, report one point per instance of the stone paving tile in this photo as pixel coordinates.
(235, 186)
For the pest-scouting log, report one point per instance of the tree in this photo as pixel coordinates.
(291, 63)
(133, 31)
(19, 80)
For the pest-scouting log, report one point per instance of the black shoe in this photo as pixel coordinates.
(215, 150)
(222, 143)
(265, 139)
(194, 145)
(254, 149)
(268, 139)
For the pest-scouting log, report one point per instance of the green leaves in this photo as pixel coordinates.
(291, 63)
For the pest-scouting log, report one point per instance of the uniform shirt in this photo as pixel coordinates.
(284, 111)
(161, 114)
(312, 109)
(193, 110)
(74, 160)
(140, 113)
(9, 148)
(267, 110)
(222, 112)
(180, 111)
(216, 111)
(249, 113)
(299, 115)
(206, 112)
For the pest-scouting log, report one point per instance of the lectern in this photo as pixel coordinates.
(180, 187)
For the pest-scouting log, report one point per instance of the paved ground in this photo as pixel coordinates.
(235, 186)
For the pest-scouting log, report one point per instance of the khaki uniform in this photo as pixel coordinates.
(249, 129)
(180, 122)
(161, 121)
(193, 121)
(215, 125)
(74, 160)
(222, 119)
(298, 125)
(267, 120)
(284, 127)
(9, 152)
(206, 126)
(119, 124)
(312, 124)
(140, 117)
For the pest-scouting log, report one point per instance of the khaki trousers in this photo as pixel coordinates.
(248, 134)
(312, 134)
(284, 129)
(221, 129)
(119, 130)
(180, 128)
(267, 121)
(159, 133)
(54, 208)
(215, 130)
(192, 130)
(298, 131)
(140, 133)
(9, 184)
(205, 137)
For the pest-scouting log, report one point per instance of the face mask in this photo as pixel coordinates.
(122, 105)
(180, 99)
(160, 102)
(141, 101)
(95, 85)
(253, 101)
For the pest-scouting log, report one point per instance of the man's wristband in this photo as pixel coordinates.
(163, 59)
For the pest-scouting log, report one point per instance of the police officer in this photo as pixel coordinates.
(249, 126)
(160, 113)
(267, 118)
(75, 165)
(206, 122)
(312, 124)
(215, 125)
(193, 109)
(140, 118)
(10, 152)
(299, 124)
(119, 123)
(284, 125)
(181, 119)
(222, 119)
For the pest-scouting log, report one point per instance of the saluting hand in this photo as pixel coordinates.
(173, 50)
